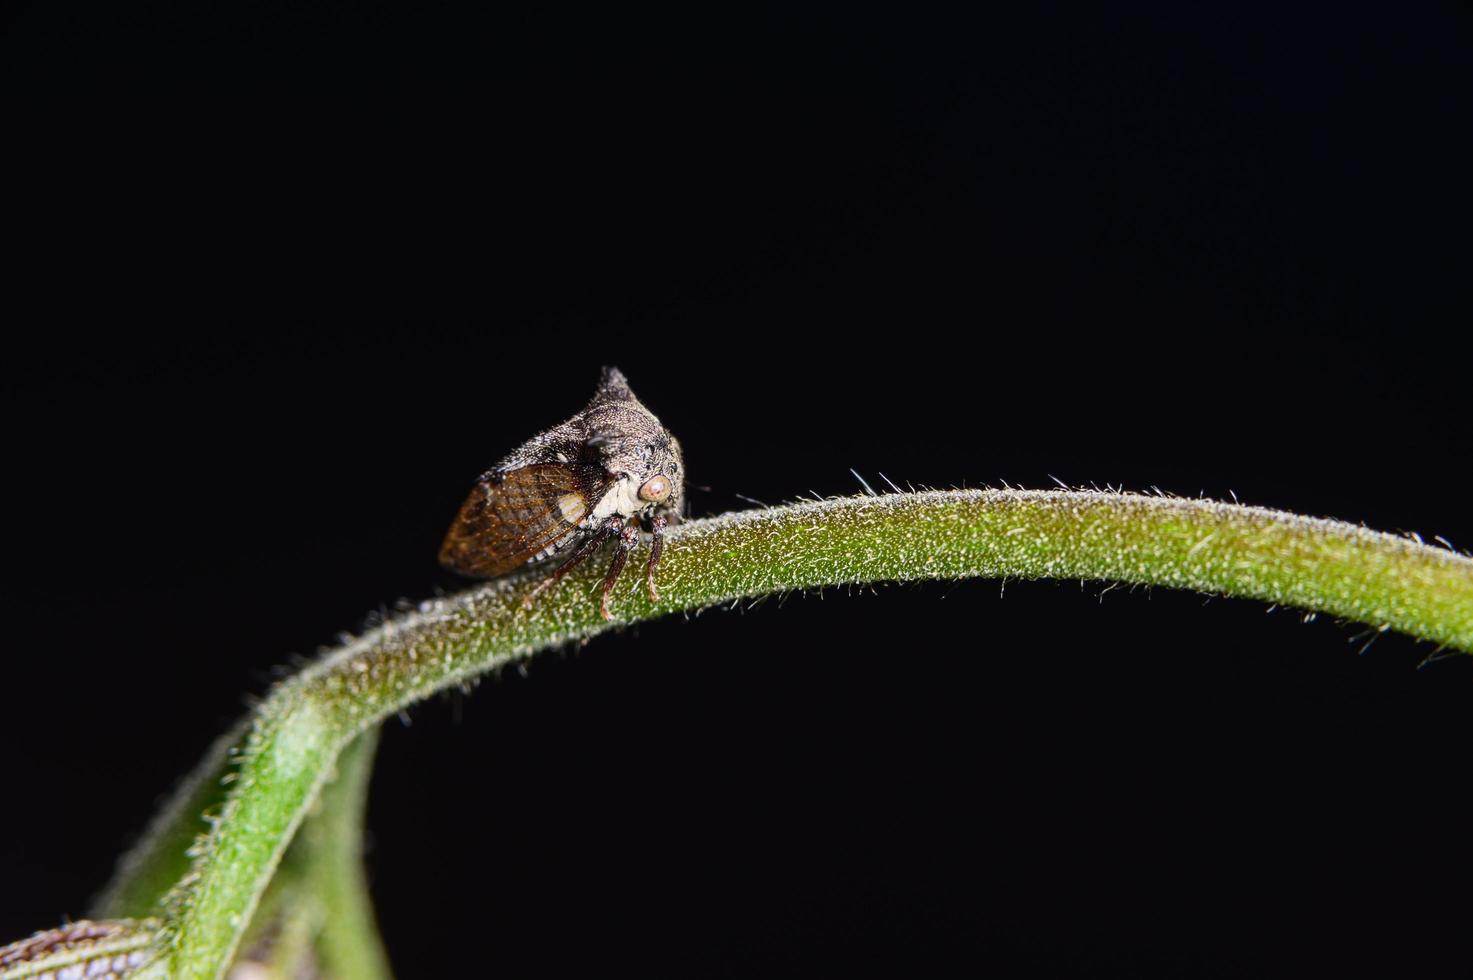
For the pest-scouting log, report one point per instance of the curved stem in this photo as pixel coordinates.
(348, 944)
(316, 918)
(1385, 581)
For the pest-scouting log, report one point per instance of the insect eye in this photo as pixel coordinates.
(655, 489)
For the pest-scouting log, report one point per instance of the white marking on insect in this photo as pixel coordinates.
(572, 506)
(622, 499)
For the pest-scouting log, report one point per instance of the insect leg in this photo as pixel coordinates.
(657, 544)
(593, 542)
(628, 538)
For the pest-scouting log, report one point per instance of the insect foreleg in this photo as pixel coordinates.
(628, 538)
(657, 544)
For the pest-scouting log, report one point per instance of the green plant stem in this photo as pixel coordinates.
(296, 734)
(348, 943)
(316, 918)
(160, 859)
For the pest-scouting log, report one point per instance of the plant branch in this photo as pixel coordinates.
(348, 944)
(316, 918)
(279, 766)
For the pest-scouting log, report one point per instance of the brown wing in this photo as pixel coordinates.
(511, 517)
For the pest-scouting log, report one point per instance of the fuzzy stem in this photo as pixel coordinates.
(348, 944)
(1382, 580)
(316, 918)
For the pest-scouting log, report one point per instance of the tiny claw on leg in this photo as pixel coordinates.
(628, 538)
(657, 544)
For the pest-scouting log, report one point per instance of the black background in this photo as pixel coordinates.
(286, 277)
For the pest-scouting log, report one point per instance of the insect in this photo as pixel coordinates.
(603, 475)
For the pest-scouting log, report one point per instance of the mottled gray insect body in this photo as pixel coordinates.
(605, 473)
(618, 434)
